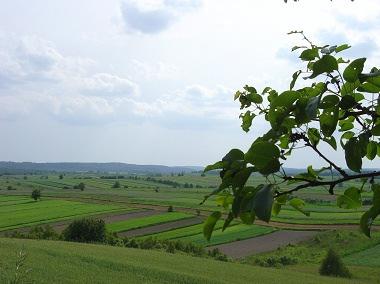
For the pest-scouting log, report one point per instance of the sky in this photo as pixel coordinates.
(152, 81)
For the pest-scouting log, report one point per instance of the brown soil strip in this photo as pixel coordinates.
(161, 227)
(263, 243)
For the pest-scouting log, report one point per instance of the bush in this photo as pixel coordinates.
(116, 184)
(170, 209)
(333, 265)
(86, 230)
(80, 186)
(36, 194)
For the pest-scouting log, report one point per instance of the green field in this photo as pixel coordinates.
(126, 225)
(62, 262)
(367, 257)
(16, 212)
(194, 234)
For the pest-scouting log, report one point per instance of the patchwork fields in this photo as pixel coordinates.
(138, 207)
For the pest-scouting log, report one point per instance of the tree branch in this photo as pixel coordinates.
(331, 184)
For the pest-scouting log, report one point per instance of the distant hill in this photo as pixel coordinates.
(25, 167)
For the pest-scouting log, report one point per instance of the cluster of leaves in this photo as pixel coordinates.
(335, 106)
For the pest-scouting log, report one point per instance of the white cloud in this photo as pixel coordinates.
(37, 78)
(151, 17)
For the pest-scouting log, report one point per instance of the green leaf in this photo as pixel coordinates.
(329, 101)
(312, 107)
(328, 121)
(347, 102)
(342, 47)
(351, 199)
(295, 77)
(209, 224)
(264, 156)
(241, 177)
(326, 64)
(353, 70)
(262, 203)
(331, 141)
(367, 220)
(247, 120)
(277, 204)
(352, 155)
(285, 99)
(216, 166)
(314, 136)
(233, 155)
(255, 98)
(309, 54)
(369, 88)
(228, 221)
(299, 205)
(247, 217)
(348, 88)
(371, 150)
(376, 130)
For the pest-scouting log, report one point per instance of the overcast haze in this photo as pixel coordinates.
(152, 82)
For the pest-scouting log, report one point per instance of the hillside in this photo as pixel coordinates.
(25, 167)
(62, 262)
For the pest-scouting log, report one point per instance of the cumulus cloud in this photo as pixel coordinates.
(37, 78)
(151, 17)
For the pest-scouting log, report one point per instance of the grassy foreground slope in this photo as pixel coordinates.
(62, 262)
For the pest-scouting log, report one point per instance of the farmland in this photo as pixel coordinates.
(137, 206)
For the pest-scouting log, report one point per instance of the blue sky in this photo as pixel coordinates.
(152, 82)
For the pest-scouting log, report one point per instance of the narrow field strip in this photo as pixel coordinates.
(265, 243)
(48, 210)
(231, 234)
(146, 221)
(169, 226)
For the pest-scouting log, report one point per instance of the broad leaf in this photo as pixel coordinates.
(351, 199)
(262, 203)
(352, 155)
(264, 156)
(299, 205)
(209, 224)
(353, 70)
(326, 64)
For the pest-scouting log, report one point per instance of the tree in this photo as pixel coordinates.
(36, 194)
(85, 230)
(81, 186)
(332, 265)
(339, 104)
(61, 176)
(116, 184)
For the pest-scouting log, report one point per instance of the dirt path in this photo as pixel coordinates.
(161, 227)
(265, 243)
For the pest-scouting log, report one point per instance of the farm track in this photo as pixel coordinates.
(161, 227)
(265, 243)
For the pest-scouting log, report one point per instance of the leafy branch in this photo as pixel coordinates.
(339, 107)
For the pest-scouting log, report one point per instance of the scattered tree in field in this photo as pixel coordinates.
(333, 265)
(116, 184)
(81, 186)
(61, 176)
(36, 194)
(339, 108)
(87, 230)
(170, 208)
